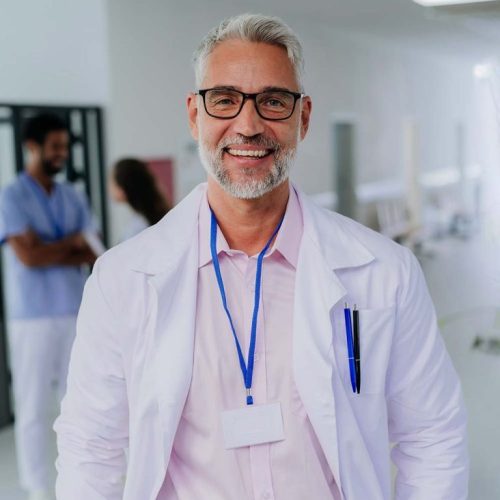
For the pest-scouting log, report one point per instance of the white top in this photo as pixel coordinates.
(137, 223)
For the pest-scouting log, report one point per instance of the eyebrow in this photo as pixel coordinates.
(265, 89)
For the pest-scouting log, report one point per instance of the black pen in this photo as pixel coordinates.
(357, 354)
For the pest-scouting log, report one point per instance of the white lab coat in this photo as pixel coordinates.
(132, 361)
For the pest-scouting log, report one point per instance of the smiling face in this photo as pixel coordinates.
(248, 156)
(51, 156)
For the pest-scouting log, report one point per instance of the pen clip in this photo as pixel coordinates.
(357, 349)
(350, 347)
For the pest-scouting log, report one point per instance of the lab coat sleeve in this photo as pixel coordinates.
(92, 430)
(427, 420)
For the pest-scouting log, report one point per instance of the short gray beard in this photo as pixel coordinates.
(252, 188)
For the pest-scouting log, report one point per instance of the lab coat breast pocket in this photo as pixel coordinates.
(376, 330)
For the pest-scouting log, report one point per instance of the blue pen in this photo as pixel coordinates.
(350, 347)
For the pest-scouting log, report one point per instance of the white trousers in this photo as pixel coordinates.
(39, 357)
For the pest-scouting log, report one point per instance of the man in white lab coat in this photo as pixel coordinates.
(252, 345)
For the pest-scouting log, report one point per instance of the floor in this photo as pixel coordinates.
(464, 281)
(9, 488)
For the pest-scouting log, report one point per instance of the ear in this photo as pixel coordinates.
(33, 148)
(192, 109)
(305, 116)
(116, 192)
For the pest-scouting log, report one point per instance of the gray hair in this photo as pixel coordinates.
(251, 28)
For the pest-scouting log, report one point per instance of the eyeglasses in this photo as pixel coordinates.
(227, 103)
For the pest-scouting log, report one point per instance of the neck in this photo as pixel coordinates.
(36, 172)
(247, 225)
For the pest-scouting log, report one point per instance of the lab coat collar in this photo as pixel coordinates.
(330, 234)
(160, 248)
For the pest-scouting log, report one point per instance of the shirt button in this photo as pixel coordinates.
(266, 495)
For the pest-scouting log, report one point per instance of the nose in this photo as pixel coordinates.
(248, 122)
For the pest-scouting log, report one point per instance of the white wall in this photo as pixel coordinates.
(380, 84)
(53, 51)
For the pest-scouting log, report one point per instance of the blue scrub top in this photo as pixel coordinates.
(41, 292)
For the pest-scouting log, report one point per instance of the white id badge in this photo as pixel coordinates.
(252, 425)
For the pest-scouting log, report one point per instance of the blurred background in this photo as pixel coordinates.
(404, 138)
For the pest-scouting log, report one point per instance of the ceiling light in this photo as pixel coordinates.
(483, 71)
(439, 3)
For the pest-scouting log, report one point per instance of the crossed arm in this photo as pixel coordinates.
(33, 252)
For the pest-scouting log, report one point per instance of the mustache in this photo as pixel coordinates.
(256, 140)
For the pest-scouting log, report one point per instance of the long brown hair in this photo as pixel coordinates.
(139, 185)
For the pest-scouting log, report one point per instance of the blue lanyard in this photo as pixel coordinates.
(44, 202)
(246, 368)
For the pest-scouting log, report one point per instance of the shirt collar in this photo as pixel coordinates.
(287, 241)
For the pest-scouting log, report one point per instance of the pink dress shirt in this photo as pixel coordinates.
(200, 468)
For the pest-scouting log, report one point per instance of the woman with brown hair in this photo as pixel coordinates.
(132, 183)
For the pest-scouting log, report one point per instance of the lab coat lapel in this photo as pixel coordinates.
(172, 269)
(327, 248)
(316, 292)
(175, 308)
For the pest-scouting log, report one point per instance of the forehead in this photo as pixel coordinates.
(249, 66)
(56, 136)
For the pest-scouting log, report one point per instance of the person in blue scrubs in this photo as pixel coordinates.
(42, 223)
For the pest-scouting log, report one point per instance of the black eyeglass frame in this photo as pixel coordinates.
(296, 96)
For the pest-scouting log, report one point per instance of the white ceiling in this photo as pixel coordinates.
(465, 32)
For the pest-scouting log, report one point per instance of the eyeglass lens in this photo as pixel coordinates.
(224, 103)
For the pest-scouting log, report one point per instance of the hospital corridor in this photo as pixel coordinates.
(197, 202)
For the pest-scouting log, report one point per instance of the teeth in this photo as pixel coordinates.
(238, 152)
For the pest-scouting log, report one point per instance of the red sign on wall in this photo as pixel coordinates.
(163, 171)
